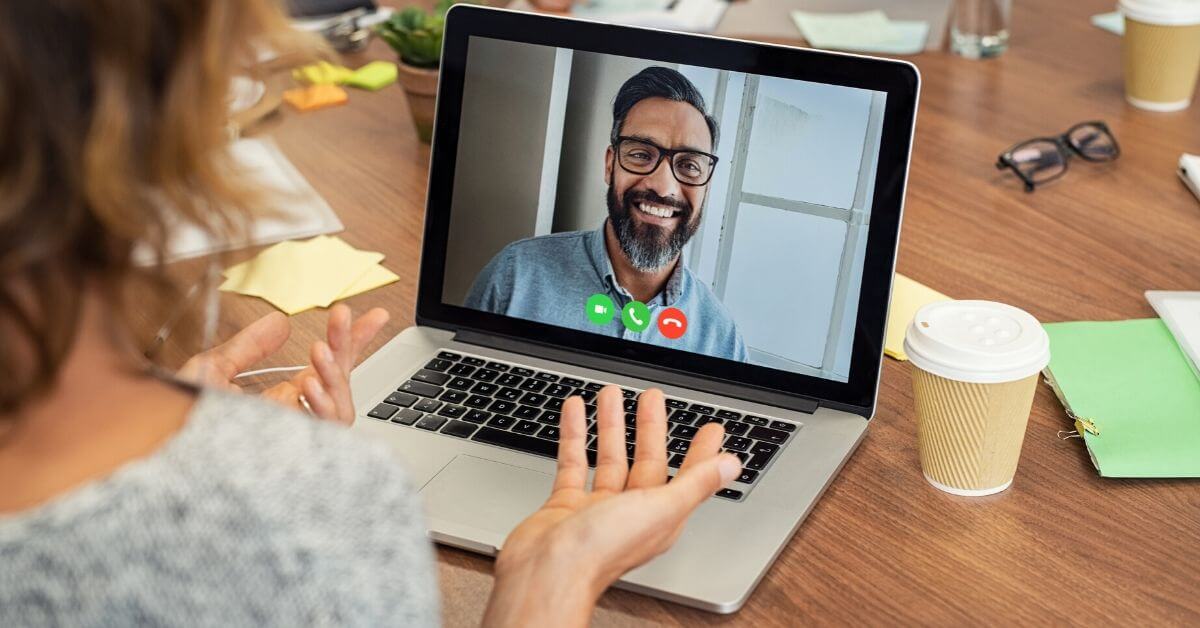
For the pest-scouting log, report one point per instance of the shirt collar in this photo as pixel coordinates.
(598, 252)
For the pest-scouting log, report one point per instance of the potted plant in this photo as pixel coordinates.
(416, 36)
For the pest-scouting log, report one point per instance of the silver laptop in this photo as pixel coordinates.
(614, 205)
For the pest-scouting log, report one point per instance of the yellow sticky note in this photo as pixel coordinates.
(297, 276)
(375, 277)
(322, 73)
(908, 296)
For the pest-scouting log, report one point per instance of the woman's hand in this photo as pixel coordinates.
(325, 383)
(556, 563)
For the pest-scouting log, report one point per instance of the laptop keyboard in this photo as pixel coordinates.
(516, 407)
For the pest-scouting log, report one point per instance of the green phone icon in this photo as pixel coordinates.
(600, 309)
(636, 316)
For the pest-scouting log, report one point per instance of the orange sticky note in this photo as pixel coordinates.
(315, 97)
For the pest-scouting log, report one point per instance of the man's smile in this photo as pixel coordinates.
(653, 213)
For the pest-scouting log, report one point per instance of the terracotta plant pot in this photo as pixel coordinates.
(420, 85)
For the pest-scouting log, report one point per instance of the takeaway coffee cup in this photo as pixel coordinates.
(1160, 53)
(976, 370)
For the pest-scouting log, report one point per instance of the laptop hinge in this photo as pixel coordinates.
(658, 374)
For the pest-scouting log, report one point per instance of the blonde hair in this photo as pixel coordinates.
(113, 114)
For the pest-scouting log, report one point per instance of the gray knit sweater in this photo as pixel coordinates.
(251, 515)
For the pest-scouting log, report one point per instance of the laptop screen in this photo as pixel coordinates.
(696, 209)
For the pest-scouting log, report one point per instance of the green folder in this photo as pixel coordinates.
(1133, 391)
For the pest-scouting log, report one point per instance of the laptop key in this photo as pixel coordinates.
(737, 443)
(485, 375)
(509, 379)
(523, 372)
(549, 417)
(477, 416)
(765, 448)
(452, 412)
(383, 411)
(461, 429)
(628, 393)
(508, 394)
(675, 462)
(473, 361)
(526, 427)
(527, 412)
(403, 400)
(593, 386)
(427, 405)
(431, 377)
(630, 419)
(460, 383)
(736, 428)
(478, 401)
(461, 369)
(439, 365)
(729, 493)
(519, 442)
(446, 355)
(419, 388)
(454, 396)
(534, 399)
(532, 385)
(748, 476)
(431, 422)
(683, 417)
(407, 416)
(701, 409)
(557, 390)
(630, 434)
(501, 421)
(679, 446)
(502, 407)
(549, 432)
(757, 462)
(588, 395)
(484, 388)
(630, 405)
(729, 415)
(571, 382)
(546, 377)
(497, 366)
(683, 431)
(780, 425)
(768, 434)
(554, 404)
(755, 420)
(677, 404)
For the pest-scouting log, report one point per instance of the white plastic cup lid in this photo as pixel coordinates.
(980, 342)
(1162, 12)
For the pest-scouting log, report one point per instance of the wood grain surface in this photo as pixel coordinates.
(1062, 546)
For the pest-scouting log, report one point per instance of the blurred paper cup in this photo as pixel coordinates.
(1160, 52)
(976, 370)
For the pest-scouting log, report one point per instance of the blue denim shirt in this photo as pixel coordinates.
(549, 279)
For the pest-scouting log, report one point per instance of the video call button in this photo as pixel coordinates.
(600, 309)
(672, 323)
(636, 316)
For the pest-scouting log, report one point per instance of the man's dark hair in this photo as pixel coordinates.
(658, 82)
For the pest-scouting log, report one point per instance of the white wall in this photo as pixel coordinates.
(507, 100)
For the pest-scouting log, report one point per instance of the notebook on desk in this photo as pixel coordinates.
(1132, 394)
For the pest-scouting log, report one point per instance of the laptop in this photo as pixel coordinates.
(614, 205)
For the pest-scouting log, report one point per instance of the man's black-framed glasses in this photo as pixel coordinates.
(1043, 159)
(690, 167)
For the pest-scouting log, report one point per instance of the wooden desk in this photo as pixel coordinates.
(1062, 545)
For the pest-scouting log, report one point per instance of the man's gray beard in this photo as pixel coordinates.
(646, 254)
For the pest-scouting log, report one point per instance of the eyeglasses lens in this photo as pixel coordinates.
(1093, 142)
(1039, 160)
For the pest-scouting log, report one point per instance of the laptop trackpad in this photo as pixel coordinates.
(474, 503)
